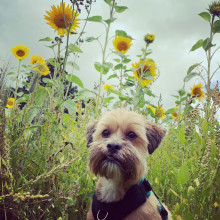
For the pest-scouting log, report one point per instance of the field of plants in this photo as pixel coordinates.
(45, 109)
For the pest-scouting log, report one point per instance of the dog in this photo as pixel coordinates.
(119, 143)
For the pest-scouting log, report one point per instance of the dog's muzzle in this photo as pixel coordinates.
(113, 147)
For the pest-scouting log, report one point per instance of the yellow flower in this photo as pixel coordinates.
(60, 21)
(42, 68)
(175, 115)
(216, 204)
(11, 103)
(148, 75)
(37, 59)
(158, 112)
(107, 87)
(20, 52)
(149, 38)
(196, 91)
(122, 44)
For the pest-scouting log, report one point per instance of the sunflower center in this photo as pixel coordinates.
(20, 53)
(174, 115)
(122, 46)
(60, 22)
(145, 69)
(197, 92)
(10, 103)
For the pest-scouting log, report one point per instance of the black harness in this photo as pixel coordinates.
(134, 197)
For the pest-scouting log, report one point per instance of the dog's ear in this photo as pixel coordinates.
(90, 131)
(155, 135)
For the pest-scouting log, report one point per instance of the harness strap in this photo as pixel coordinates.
(134, 198)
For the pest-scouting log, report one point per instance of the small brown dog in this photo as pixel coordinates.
(119, 143)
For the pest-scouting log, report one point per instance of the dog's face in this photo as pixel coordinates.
(118, 144)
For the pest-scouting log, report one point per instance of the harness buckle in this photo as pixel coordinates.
(101, 218)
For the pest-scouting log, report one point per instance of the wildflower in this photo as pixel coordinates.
(214, 8)
(107, 87)
(175, 115)
(196, 91)
(36, 59)
(216, 204)
(61, 18)
(156, 180)
(149, 38)
(11, 103)
(147, 73)
(122, 44)
(42, 68)
(20, 52)
(158, 112)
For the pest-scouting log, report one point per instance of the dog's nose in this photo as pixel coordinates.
(113, 147)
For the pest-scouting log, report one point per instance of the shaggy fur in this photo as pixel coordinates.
(125, 164)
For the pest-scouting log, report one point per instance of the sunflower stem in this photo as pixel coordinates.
(103, 61)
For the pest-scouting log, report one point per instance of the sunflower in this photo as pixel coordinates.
(122, 44)
(214, 8)
(42, 68)
(107, 87)
(158, 111)
(60, 21)
(11, 103)
(37, 59)
(196, 91)
(149, 38)
(20, 52)
(175, 115)
(148, 74)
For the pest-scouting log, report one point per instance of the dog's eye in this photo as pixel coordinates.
(131, 135)
(105, 133)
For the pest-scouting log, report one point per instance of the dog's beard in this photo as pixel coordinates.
(126, 163)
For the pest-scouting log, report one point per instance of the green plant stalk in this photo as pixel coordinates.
(209, 70)
(103, 61)
(120, 81)
(18, 73)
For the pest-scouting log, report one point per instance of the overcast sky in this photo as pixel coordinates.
(175, 23)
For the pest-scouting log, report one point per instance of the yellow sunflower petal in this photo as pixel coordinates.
(11, 103)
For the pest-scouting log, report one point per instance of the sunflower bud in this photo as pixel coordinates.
(214, 8)
(149, 38)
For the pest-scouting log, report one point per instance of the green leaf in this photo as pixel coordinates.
(74, 65)
(46, 39)
(197, 45)
(122, 34)
(118, 66)
(52, 61)
(205, 15)
(73, 48)
(148, 75)
(95, 18)
(108, 2)
(110, 20)
(207, 44)
(183, 174)
(52, 46)
(31, 115)
(149, 92)
(112, 76)
(182, 135)
(74, 79)
(90, 39)
(41, 95)
(108, 99)
(216, 27)
(192, 68)
(117, 60)
(108, 65)
(98, 66)
(204, 126)
(190, 76)
(120, 9)
(126, 60)
(70, 105)
(11, 73)
(170, 111)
